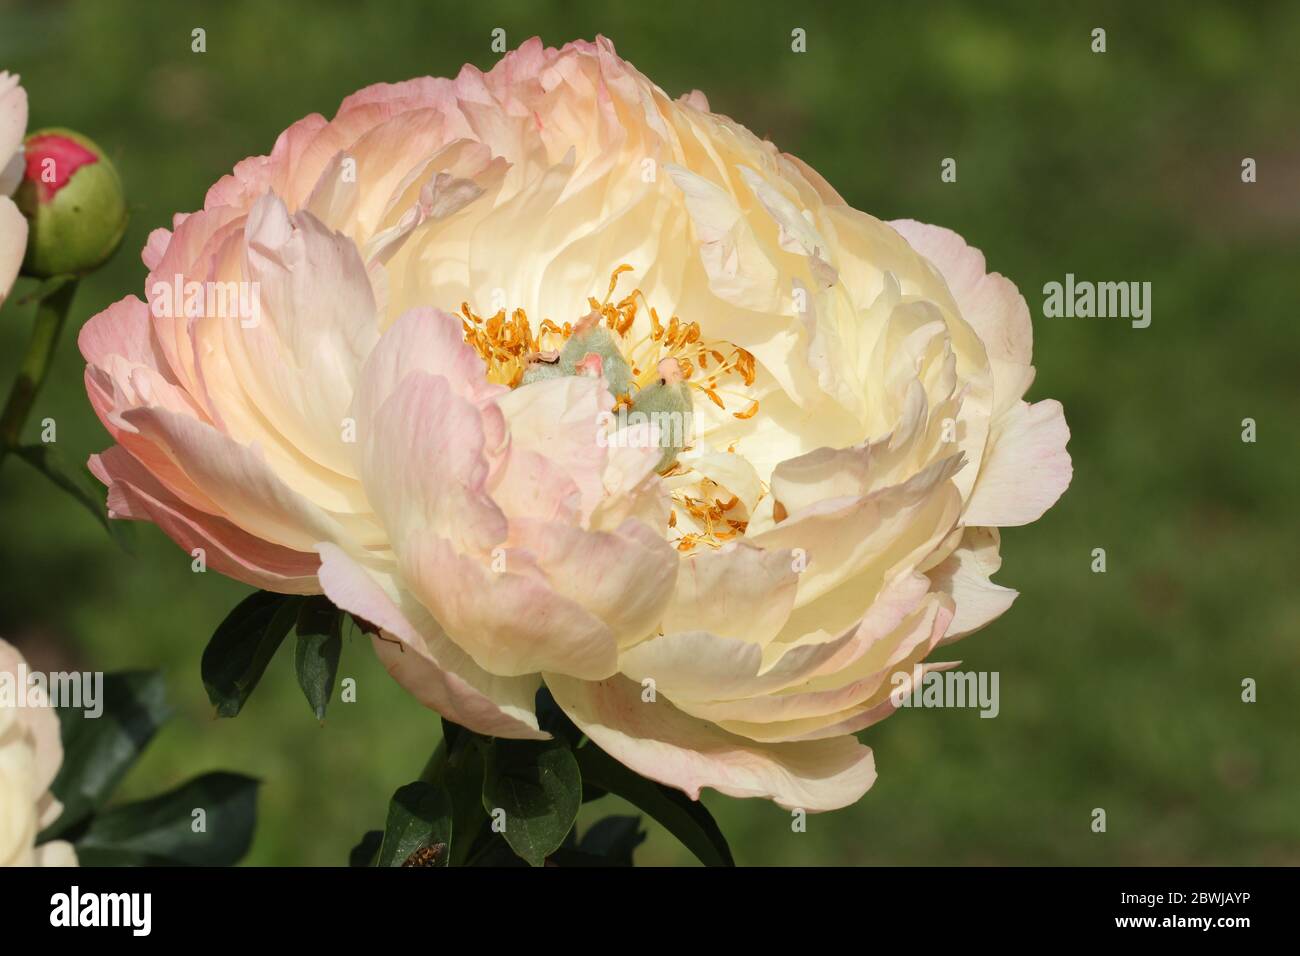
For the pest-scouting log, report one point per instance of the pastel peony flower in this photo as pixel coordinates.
(30, 756)
(473, 313)
(13, 227)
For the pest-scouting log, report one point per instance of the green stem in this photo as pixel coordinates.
(51, 315)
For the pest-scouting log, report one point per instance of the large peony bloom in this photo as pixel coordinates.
(30, 756)
(13, 227)
(465, 289)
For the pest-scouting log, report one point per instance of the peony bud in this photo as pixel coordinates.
(73, 199)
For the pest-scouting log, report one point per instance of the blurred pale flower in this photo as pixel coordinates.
(413, 411)
(30, 756)
(13, 227)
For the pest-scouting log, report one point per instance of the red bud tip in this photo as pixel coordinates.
(51, 161)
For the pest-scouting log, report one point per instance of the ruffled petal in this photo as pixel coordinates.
(424, 661)
(965, 575)
(237, 480)
(660, 742)
(739, 591)
(135, 494)
(1026, 469)
(505, 613)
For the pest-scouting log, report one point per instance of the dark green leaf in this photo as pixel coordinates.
(684, 818)
(168, 830)
(455, 735)
(538, 785)
(463, 778)
(366, 851)
(244, 643)
(98, 751)
(316, 655)
(613, 839)
(80, 484)
(419, 817)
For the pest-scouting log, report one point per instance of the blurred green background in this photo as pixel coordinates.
(1119, 690)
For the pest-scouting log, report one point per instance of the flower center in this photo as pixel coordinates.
(651, 368)
(508, 345)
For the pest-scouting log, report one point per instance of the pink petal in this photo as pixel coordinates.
(508, 617)
(658, 741)
(237, 479)
(123, 329)
(527, 484)
(464, 696)
(990, 302)
(1026, 468)
(421, 340)
(317, 318)
(189, 254)
(624, 577)
(135, 494)
(127, 369)
(154, 248)
(559, 418)
(425, 466)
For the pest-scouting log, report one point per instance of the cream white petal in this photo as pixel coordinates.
(13, 244)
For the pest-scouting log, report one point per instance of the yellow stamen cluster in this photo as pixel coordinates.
(718, 526)
(678, 340)
(506, 342)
